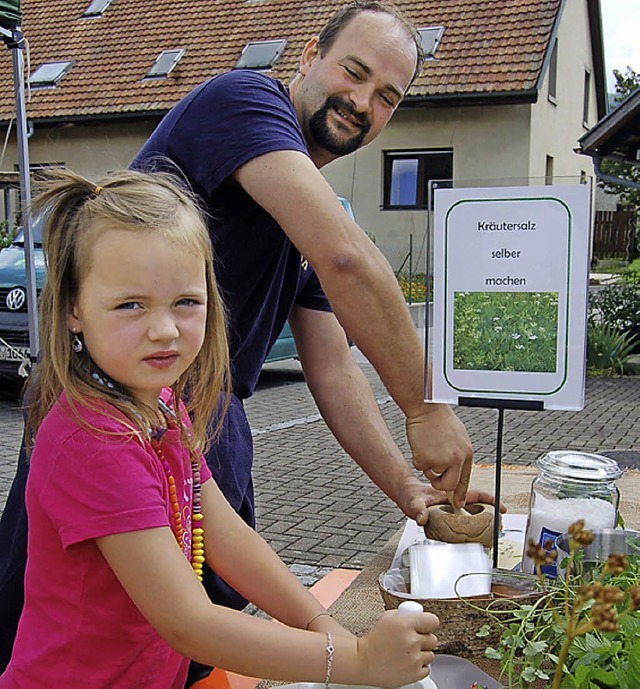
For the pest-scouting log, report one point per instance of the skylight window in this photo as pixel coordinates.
(261, 54)
(49, 74)
(164, 63)
(431, 37)
(96, 8)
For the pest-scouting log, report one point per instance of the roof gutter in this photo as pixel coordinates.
(489, 98)
(96, 117)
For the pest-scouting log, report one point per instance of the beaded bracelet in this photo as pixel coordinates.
(330, 650)
(319, 614)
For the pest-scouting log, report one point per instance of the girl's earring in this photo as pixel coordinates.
(76, 344)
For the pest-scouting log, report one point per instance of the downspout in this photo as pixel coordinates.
(612, 179)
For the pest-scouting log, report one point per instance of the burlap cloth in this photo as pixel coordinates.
(361, 604)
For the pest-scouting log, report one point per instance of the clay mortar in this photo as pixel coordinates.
(450, 527)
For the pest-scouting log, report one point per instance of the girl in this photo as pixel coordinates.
(122, 509)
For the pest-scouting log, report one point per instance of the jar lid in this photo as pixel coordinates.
(580, 466)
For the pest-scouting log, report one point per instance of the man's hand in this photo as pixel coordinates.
(441, 449)
(419, 496)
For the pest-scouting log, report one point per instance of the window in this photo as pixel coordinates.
(548, 170)
(407, 175)
(49, 74)
(96, 8)
(260, 54)
(430, 37)
(164, 63)
(553, 72)
(586, 98)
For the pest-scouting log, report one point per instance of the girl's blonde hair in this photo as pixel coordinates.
(76, 211)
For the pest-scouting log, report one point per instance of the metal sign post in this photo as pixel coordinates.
(14, 39)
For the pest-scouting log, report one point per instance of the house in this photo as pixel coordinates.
(511, 87)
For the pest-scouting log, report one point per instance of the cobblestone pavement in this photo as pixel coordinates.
(318, 510)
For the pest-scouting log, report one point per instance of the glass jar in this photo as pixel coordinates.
(571, 486)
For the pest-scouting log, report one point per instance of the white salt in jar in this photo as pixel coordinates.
(570, 486)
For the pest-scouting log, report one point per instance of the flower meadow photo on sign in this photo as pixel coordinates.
(505, 331)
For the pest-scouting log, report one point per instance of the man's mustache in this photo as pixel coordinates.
(347, 108)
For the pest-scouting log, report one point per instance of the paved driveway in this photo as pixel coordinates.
(318, 510)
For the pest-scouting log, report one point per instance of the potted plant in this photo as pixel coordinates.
(583, 632)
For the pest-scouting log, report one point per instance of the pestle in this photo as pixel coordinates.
(457, 510)
(410, 607)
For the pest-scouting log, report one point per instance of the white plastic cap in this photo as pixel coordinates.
(409, 607)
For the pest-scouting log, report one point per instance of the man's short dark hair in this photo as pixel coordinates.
(342, 17)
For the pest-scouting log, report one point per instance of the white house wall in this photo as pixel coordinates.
(557, 124)
(488, 142)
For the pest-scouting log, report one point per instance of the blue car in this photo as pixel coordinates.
(14, 317)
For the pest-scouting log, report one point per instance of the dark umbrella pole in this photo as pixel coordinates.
(14, 39)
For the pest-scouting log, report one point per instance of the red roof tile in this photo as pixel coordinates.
(487, 48)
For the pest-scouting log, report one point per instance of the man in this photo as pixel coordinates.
(285, 248)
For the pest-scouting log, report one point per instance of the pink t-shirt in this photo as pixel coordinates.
(79, 628)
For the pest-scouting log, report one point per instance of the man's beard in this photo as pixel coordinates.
(326, 138)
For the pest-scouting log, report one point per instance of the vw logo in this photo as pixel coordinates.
(16, 299)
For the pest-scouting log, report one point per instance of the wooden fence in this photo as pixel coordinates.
(613, 235)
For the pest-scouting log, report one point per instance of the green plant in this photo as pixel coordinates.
(619, 307)
(607, 349)
(609, 265)
(583, 632)
(631, 274)
(5, 235)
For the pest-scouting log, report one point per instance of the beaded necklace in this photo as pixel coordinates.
(197, 532)
(155, 436)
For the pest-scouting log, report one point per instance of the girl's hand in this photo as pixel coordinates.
(399, 649)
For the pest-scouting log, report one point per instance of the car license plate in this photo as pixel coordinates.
(13, 353)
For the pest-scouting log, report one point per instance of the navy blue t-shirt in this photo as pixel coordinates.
(215, 129)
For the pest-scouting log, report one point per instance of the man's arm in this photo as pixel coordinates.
(348, 405)
(366, 299)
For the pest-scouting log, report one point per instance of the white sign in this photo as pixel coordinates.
(511, 271)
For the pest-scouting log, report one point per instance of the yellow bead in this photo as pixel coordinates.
(198, 558)
(198, 532)
(198, 551)
(198, 516)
